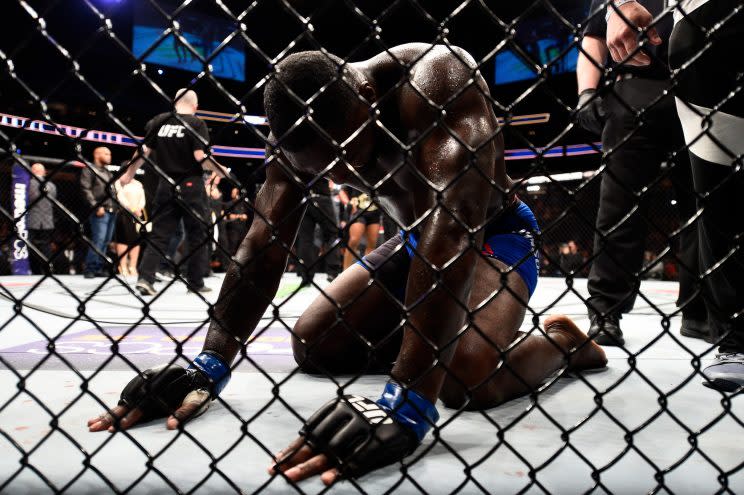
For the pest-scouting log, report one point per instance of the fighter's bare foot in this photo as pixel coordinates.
(585, 353)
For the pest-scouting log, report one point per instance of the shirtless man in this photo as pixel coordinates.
(441, 302)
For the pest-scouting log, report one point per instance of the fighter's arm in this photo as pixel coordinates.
(441, 274)
(254, 275)
(247, 290)
(454, 205)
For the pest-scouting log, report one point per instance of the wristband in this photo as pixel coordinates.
(408, 408)
(212, 365)
(617, 3)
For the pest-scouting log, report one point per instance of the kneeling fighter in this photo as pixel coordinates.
(441, 303)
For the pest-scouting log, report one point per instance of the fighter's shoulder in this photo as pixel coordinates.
(443, 71)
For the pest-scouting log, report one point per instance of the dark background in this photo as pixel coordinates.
(270, 26)
(109, 91)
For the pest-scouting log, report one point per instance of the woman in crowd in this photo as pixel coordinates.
(131, 199)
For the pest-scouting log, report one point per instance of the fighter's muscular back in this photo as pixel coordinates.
(423, 139)
(433, 78)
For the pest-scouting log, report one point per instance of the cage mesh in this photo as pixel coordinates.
(565, 210)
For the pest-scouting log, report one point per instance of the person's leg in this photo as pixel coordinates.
(632, 163)
(109, 235)
(305, 247)
(196, 225)
(690, 299)
(133, 259)
(98, 232)
(493, 362)
(329, 234)
(355, 325)
(121, 255)
(165, 218)
(714, 140)
(36, 239)
(356, 230)
(372, 231)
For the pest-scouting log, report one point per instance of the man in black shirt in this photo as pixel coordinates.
(705, 46)
(635, 150)
(176, 143)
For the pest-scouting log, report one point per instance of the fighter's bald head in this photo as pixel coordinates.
(186, 101)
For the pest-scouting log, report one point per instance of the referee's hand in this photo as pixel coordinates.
(622, 37)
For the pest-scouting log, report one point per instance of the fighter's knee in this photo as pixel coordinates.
(301, 340)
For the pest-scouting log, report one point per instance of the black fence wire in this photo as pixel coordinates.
(392, 147)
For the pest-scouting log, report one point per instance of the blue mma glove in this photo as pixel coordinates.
(159, 391)
(360, 435)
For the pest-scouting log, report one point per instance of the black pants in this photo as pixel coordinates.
(621, 225)
(41, 240)
(719, 180)
(320, 212)
(190, 204)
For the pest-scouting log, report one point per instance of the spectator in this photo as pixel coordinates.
(572, 262)
(364, 221)
(238, 220)
(95, 182)
(218, 245)
(40, 220)
(127, 240)
(320, 213)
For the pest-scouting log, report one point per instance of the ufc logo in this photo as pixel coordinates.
(371, 411)
(170, 130)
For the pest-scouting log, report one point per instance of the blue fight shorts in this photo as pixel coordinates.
(509, 238)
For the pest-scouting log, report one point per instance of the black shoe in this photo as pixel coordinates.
(695, 329)
(145, 288)
(606, 330)
(89, 274)
(201, 290)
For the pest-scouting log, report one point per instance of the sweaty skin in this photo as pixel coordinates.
(430, 152)
(463, 161)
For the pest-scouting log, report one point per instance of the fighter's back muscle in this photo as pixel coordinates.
(443, 89)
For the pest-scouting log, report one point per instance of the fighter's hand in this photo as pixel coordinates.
(168, 390)
(179, 393)
(622, 38)
(352, 435)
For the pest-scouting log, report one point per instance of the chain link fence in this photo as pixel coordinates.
(457, 120)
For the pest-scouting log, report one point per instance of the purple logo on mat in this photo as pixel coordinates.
(152, 340)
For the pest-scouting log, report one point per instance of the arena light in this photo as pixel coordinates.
(564, 177)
